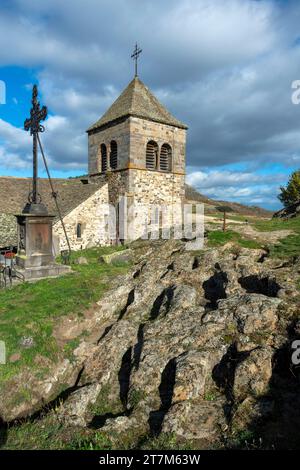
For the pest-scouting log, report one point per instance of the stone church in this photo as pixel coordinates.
(136, 149)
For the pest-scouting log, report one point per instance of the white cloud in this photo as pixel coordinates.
(225, 68)
(237, 186)
(222, 179)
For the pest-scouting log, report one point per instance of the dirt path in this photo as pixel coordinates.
(208, 218)
(270, 237)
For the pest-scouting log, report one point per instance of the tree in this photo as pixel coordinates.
(224, 209)
(291, 193)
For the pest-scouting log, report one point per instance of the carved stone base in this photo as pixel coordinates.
(39, 272)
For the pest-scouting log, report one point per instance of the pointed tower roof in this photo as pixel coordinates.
(137, 100)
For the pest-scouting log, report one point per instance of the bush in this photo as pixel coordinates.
(291, 193)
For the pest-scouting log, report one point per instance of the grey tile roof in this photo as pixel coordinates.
(14, 193)
(137, 100)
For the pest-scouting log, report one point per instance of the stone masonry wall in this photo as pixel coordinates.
(121, 134)
(92, 214)
(158, 191)
(153, 187)
(132, 136)
(131, 178)
(141, 131)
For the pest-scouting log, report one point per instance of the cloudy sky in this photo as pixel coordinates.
(224, 67)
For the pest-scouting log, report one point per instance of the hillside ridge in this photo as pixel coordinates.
(191, 194)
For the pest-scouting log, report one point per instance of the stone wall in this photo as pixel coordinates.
(93, 215)
(131, 178)
(141, 131)
(162, 192)
(132, 136)
(142, 187)
(121, 134)
(154, 187)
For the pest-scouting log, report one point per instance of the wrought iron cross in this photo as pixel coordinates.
(32, 124)
(137, 51)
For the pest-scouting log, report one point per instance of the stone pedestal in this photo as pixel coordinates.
(35, 257)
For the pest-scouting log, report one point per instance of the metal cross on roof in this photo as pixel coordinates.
(137, 51)
(33, 124)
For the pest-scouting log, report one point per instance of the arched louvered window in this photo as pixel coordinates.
(165, 161)
(113, 154)
(103, 158)
(151, 155)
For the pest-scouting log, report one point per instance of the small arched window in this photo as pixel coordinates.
(165, 161)
(79, 230)
(113, 155)
(151, 155)
(103, 158)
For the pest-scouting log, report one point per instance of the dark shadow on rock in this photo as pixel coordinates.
(138, 272)
(170, 267)
(137, 350)
(196, 262)
(43, 411)
(254, 284)
(106, 331)
(215, 288)
(130, 300)
(280, 429)
(223, 375)
(99, 421)
(166, 389)
(124, 373)
(164, 299)
(264, 255)
(124, 376)
(3, 433)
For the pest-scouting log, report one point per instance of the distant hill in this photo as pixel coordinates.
(191, 194)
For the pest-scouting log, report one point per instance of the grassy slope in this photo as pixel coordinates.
(287, 247)
(49, 434)
(31, 310)
(218, 238)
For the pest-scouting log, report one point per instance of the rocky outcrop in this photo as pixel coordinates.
(288, 212)
(195, 344)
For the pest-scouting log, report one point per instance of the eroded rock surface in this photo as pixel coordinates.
(193, 344)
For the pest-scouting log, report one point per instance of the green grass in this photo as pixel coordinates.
(285, 248)
(32, 435)
(104, 404)
(32, 309)
(166, 441)
(99, 441)
(49, 433)
(278, 224)
(218, 238)
(210, 396)
(288, 246)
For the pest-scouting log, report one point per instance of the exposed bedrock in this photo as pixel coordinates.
(190, 344)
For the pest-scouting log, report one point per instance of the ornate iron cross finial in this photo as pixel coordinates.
(137, 51)
(33, 124)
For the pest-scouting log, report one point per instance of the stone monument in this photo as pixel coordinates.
(35, 251)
